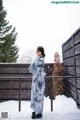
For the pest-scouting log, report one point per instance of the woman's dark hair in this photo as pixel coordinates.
(41, 49)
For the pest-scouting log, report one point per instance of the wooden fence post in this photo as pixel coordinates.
(51, 96)
(19, 94)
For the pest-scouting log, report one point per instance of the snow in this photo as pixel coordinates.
(62, 106)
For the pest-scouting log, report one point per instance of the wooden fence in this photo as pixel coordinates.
(9, 87)
(71, 60)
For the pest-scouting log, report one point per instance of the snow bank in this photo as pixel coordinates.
(62, 104)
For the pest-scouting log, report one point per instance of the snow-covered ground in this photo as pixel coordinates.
(62, 106)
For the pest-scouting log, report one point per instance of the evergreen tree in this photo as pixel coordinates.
(8, 49)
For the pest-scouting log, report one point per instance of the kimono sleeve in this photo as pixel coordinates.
(40, 62)
(32, 68)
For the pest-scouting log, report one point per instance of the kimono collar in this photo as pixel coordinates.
(40, 56)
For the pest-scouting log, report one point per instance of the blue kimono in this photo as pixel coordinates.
(38, 85)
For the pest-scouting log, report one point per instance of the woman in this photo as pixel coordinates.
(38, 83)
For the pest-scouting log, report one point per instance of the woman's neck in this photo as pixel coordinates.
(40, 56)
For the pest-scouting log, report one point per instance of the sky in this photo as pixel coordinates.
(38, 22)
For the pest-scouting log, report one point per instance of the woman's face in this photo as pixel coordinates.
(38, 53)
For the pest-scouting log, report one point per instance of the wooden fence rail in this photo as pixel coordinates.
(50, 78)
(9, 84)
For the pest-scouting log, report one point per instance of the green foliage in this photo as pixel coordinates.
(8, 49)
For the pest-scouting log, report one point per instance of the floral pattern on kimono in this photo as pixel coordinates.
(38, 84)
